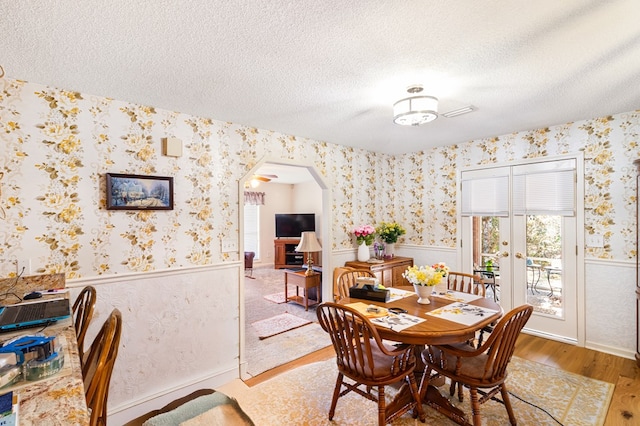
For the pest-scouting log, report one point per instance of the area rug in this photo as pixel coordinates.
(278, 297)
(571, 399)
(278, 324)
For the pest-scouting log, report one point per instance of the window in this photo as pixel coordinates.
(252, 229)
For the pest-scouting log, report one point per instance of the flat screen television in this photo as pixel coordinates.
(291, 225)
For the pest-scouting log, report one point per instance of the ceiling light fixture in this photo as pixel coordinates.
(415, 110)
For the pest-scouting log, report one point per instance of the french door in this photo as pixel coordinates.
(519, 230)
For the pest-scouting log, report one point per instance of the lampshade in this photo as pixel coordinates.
(308, 243)
(415, 110)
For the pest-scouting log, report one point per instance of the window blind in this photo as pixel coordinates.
(544, 192)
(485, 196)
(252, 229)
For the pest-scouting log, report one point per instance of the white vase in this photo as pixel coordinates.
(389, 250)
(363, 252)
(423, 292)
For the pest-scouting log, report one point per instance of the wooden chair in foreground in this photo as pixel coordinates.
(347, 279)
(481, 368)
(82, 314)
(363, 358)
(98, 367)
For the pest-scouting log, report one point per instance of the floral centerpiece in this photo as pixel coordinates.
(442, 268)
(389, 232)
(423, 278)
(423, 275)
(364, 234)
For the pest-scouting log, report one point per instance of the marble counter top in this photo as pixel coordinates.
(59, 399)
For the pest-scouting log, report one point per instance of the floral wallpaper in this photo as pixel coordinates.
(56, 146)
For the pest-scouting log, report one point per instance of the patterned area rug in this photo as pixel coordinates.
(275, 298)
(279, 297)
(572, 399)
(278, 324)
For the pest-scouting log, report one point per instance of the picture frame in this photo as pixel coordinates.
(139, 192)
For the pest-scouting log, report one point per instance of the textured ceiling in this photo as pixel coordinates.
(331, 70)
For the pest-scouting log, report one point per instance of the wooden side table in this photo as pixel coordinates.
(306, 282)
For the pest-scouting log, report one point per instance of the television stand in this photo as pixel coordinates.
(286, 256)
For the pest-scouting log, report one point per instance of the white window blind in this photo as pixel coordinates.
(252, 229)
(485, 196)
(545, 192)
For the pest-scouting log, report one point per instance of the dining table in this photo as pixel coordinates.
(450, 317)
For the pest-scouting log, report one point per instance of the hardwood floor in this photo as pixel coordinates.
(625, 405)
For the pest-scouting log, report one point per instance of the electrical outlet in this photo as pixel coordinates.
(229, 245)
(595, 240)
(23, 267)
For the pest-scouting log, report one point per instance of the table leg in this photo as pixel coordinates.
(286, 291)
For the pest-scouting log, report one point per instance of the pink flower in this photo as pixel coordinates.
(364, 233)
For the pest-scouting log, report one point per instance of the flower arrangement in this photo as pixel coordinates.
(364, 233)
(422, 275)
(442, 268)
(389, 232)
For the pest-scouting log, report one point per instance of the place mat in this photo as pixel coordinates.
(462, 313)
(397, 322)
(455, 296)
(397, 294)
(363, 309)
(278, 324)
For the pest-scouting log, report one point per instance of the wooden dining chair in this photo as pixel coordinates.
(479, 368)
(347, 279)
(82, 314)
(367, 361)
(472, 284)
(466, 283)
(97, 368)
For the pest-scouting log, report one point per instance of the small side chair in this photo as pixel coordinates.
(347, 279)
(82, 314)
(97, 368)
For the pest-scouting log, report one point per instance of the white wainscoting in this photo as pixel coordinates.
(180, 333)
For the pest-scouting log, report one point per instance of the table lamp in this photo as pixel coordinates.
(309, 244)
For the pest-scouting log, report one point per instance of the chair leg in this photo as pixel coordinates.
(413, 385)
(475, 407)
(382, 409)
(507, 404)
(336, 395)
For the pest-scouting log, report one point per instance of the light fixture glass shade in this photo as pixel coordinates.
(308, 243)
(415, 111)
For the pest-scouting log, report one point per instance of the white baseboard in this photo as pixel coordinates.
(621, 352)
(134, 409)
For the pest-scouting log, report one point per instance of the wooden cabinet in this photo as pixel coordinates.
(286, 256)
(389, 273)
(637, 164)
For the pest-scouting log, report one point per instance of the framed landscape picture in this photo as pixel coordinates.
(137, 192)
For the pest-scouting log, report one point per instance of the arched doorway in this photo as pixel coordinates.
(271, 165)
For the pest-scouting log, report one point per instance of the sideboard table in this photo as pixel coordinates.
(389, 272)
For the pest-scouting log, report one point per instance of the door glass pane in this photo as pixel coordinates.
(544, 265)
(487, 244)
